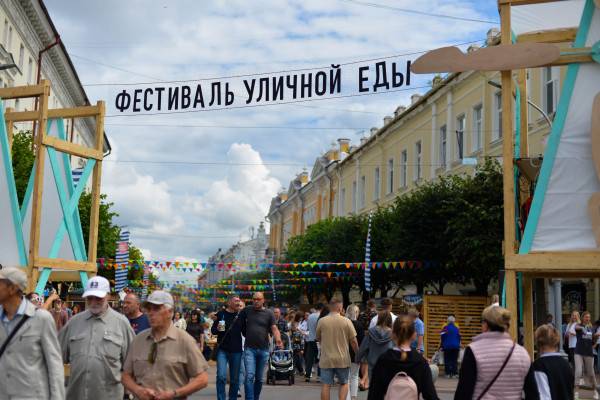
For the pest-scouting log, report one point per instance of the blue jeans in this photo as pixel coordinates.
(255, 361)
(234, 361)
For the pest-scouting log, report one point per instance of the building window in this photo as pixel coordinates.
(354, 190)
(21, 56)
(443, 146)
(5, 34)
(418, 155)
(403, 168)
(376, 184)
(9, 41)
(30, 71)
(497, 133)
(17, 105)
(550, 88)
(390, 176)
(342, 202)
(477, 127)
(363, 188)
(460, 137)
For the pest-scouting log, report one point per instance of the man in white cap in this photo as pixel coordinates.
(164, 362)
(30, 358)
(95, 343)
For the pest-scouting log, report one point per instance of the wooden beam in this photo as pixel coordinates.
(21, 116)
(570, 56)
(96, 178)
(74, 112)
(549, 36)
(528, 327)
(554, 261)
(508, 178)
(19, 92)
(65, 265)
(508, 146)
(523, 106)
(72, 148)
(9, 128)
(515, 3)
(510, 279)
(66, 276)
(38, 184)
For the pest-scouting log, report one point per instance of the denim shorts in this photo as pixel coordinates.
(327, 375)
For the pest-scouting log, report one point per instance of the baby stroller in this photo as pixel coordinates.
(281, 362)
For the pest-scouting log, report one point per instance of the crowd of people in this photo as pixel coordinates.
(151, 351)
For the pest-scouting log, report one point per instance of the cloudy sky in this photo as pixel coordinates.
(176, 206)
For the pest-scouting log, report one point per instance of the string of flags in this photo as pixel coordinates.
(185, 266)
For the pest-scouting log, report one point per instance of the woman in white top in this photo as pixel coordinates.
(179, 321)
(571, 336)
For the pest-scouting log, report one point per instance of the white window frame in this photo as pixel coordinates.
(443, 149)
(497, 116)
(354, 190)
(5, 34)
(21, 56)
(461, 123)
(9, 42)
(403, 168)
(418, 155)
(376, 183)
(550, 77)
(477, 139)
(390, 176)
(363, 192)
(30, 71)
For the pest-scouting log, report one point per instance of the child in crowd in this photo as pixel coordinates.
(553, 374)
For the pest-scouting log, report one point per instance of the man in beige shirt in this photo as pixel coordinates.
(335, 333)
(164, 362)
(95, 343)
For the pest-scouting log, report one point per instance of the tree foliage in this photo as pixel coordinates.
(454, 223)
(22, 161)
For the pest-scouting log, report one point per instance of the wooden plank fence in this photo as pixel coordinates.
(435, 312)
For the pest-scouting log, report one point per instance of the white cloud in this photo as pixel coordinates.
(242, 198)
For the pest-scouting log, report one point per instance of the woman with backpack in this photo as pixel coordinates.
(401, 373)
(494, 366)
(377, 340)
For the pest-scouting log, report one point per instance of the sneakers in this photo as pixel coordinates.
(576, 396)
(596, 397)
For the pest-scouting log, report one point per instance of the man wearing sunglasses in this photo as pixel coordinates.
(95, 343)
(30, 361)
(258, 323)
(164, 363)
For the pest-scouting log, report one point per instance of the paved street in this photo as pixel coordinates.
(309, 391)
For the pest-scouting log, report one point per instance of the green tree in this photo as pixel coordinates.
(22, 161)
(475, 229)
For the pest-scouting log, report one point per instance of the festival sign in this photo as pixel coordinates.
(338, 80)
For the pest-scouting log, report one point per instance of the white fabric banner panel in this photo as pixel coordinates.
(52, 215)
(537, 17)
(9, 242)
(564, 222)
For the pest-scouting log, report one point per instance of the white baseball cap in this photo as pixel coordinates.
(14, 275)
(97, 287)
(160, 297)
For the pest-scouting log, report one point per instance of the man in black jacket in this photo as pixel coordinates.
(229, 339)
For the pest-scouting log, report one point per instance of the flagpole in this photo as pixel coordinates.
(368, 257)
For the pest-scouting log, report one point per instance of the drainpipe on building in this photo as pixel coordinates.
(39, 75)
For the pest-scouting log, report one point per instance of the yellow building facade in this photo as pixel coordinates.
(457, 120)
